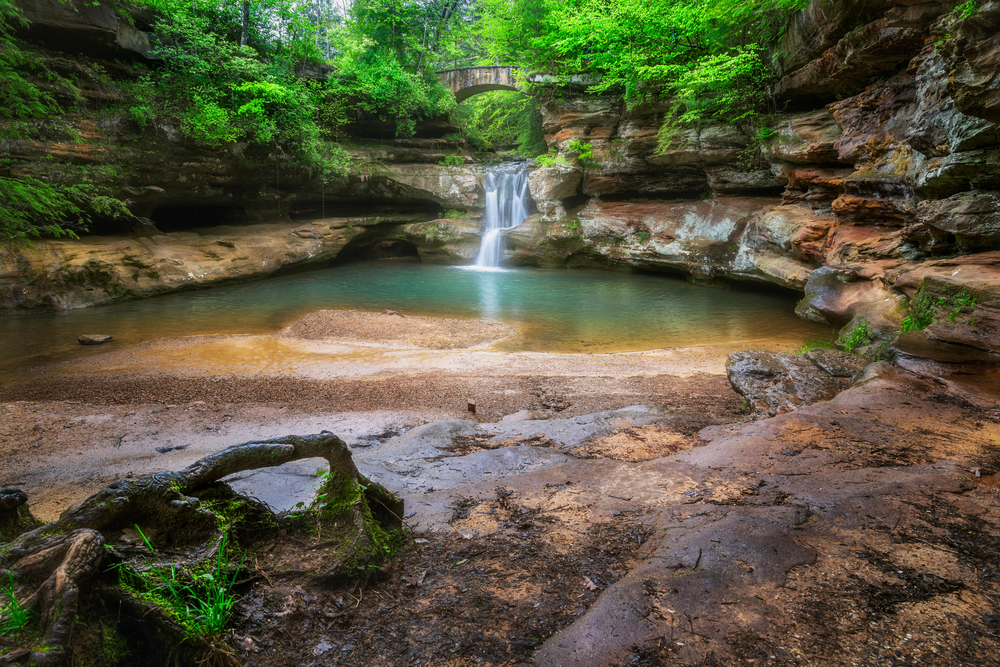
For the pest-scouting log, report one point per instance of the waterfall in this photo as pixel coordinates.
(506, 189)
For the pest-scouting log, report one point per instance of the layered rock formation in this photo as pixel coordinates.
(890, 160)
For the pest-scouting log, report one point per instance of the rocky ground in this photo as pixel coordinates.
(558, 525)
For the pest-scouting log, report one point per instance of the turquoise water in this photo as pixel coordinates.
(557, 311)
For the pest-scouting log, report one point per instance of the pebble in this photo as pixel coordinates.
(94, 339)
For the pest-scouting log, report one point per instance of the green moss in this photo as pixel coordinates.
(925, 307)
(16, 522)
(92, 272)
(134, 262)
(858, 337)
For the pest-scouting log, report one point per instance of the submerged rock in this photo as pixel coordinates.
(94, 339)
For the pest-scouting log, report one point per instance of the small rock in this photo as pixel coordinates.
(94, 339)
(226, 244)
(520, 416)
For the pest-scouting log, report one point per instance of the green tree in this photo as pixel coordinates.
(707, 55)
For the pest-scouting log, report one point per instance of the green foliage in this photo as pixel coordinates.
(452, 161)
(201, 602)
(708, 56)
(372, 81)
(968, 8)
(551, 159)
(766, 134)
(502, 120)
(584, 153)
(23, 96)
(14, 618)
(30, 208)
(857, 338)
(809, 345)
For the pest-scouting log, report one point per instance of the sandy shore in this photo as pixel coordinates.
(73, 427)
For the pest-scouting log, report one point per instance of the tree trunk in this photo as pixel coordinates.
(246, 23)
(56, 559)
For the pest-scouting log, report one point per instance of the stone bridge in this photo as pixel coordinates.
(468, 81)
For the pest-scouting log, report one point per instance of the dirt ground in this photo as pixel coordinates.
(859, 531)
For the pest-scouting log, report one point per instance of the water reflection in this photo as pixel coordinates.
(564, 311)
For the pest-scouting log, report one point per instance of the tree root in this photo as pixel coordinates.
(56, 559)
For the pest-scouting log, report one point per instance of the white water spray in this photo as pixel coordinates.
(506, 189)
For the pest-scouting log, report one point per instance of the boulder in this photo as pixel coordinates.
(923, 346)
(971, 216)
(973, 327)
(975, 82)
(451, 187)
(444, 241)
(839, 295)
(551, 185)
(837, 363)
(553, 240)
(775, 383)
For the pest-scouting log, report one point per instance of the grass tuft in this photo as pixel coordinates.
(13, 615)
(202, 603)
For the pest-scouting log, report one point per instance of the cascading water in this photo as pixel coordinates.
(506, 189)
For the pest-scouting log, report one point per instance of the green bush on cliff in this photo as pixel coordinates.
(24, 98)
(925, 306)
(858, 337)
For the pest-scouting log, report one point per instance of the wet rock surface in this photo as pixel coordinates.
(743, 540)
(775, 383)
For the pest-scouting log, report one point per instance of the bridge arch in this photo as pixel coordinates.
(468, 81)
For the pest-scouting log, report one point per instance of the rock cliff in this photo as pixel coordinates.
(887, 160)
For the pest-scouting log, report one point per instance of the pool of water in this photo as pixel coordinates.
(556, 311)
